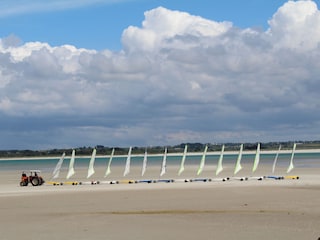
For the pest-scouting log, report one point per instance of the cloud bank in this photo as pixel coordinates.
(179, 78)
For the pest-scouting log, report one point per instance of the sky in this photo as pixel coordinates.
(146, 72)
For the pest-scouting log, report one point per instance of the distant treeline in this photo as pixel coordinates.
(192, 147)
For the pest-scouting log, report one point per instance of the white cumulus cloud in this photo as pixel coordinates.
(179, 78)
(296, 25)
(163, 27)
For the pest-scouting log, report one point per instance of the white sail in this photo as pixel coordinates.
(238, 164)
(164, 163)
(56, 171)
(108, 171)
(276, 159)
(291, 166)
(256, 159)
(203, 160)
(144, 164)
(183, 159)
(219, 167)
(91, 163)
(71, 171)
(127, 169)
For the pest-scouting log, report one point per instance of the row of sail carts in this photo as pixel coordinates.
(219, 169)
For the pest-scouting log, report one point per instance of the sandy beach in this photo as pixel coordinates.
(268, 209)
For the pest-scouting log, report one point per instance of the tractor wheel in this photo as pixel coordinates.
(41, 181)
(35, 182)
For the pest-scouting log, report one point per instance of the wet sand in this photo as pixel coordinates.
(268, 209)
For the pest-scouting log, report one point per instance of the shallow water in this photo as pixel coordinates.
(301, 160)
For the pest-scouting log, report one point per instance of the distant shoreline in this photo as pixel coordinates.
(212, 153)
(194, 148)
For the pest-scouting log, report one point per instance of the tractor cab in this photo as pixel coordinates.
(34, 178)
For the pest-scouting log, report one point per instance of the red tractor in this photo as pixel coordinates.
(33, 178)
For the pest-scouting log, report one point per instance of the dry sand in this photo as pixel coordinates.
(268, 209)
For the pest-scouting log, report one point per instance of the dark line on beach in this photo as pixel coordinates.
(180, 212)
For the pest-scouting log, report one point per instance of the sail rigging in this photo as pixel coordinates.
(108, 171)
(127, 169)
(56, 171)
(238, 164)
(276, 159)
(291, 166)
(219, 167)
(71, 171)
(203, 160)
(164, 163)
(256, 159)
(91, 163)
(144, 163)
(183, 159)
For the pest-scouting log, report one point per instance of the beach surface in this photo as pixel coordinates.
(267, 209)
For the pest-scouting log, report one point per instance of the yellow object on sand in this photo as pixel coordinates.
(291, 177)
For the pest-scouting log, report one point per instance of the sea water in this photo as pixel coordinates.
(47, 165)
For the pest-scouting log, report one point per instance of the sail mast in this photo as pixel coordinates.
(91, 163)
(108, 171)
(203, 160)
(144, 164)
(219, 167)
(71, 171)
(56, 171)
(164, 163)
(183, 159)
(127, 169)
(291, 166)
(256, 159)
(238, 164)
(275, 159)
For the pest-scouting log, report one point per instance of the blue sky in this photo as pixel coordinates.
(100, 25)
(146, 72)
